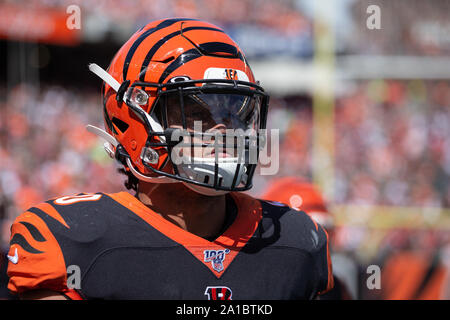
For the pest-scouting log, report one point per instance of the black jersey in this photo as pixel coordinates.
(124, 250)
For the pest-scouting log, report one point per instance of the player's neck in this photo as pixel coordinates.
(191, 211)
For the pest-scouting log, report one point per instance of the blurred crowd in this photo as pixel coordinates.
(45, 150)
(256, 12)
(407, 27)
(392, 142)
(250, 23)
(225, 13)
(286, 23)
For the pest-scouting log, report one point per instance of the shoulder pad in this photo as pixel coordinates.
(35, 257)
(288, 227)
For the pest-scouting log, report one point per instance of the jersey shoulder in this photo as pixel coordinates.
(45, 239)
(74, 216)
(35, 257)
(296, 229)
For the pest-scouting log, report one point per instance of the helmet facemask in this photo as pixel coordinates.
(211, 129)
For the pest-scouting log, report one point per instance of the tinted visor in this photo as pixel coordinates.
(214, 110)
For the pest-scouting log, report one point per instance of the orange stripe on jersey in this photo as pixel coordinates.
(51, 211)
(72, 294)
(233, 239)
(37, 262)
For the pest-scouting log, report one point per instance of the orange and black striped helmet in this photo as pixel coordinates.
(170, 74)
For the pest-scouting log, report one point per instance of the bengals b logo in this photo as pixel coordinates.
(218, 293)
(231, 74)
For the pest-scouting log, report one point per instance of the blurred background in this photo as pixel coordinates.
(360, 91)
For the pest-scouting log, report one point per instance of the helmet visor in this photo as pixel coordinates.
(198, 111)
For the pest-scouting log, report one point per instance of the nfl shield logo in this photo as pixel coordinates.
(216, 257)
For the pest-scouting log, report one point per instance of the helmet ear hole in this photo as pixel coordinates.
(119, 124)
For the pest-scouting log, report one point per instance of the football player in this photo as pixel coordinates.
(304, 196)
(172, 95)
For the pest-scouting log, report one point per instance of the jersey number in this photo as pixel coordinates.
(74, 199)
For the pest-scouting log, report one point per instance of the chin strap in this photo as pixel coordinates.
(111, 141)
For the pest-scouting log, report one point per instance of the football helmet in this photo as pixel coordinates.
(181, 104)
(301, 195)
